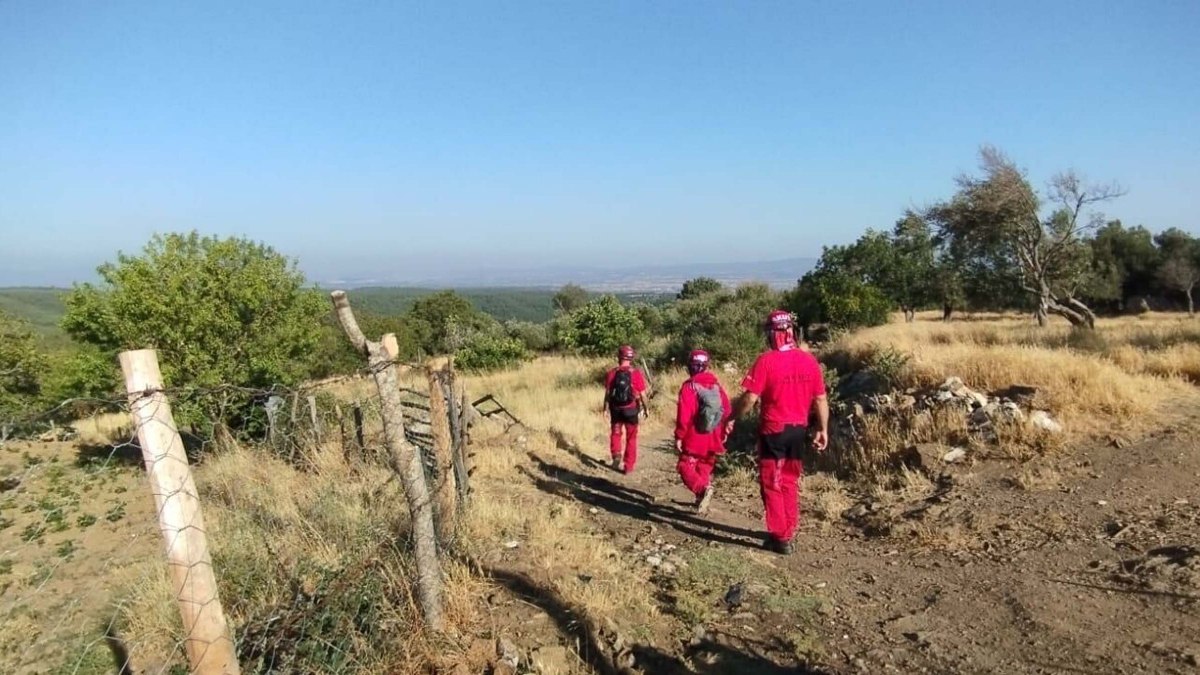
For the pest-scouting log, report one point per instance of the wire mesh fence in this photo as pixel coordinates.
(288, 556)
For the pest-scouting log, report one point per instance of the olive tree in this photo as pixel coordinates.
(1000, 216)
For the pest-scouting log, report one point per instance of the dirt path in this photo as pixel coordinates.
(1094, 570)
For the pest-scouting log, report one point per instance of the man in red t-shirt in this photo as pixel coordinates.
(787, 380)
(624, 390)
(701, 415)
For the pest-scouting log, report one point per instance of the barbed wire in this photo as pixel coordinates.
(291, 433)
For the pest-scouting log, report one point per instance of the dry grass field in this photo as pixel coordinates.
(313, 558)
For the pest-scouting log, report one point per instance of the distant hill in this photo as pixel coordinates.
(41, 307)
(638, 279)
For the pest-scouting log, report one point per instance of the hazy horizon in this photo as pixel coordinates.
(475, 136)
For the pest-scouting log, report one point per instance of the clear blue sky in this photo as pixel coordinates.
(360, 137)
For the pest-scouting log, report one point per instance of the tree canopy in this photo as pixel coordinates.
(220, 312)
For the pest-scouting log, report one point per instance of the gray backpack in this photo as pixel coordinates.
(710, 411)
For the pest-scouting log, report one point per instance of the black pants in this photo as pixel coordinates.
(791, 443)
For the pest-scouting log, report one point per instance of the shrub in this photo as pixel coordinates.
(600, 327)
(21, 370)
(727, 325)
(536, 337)
(487, 352)
(220, 312)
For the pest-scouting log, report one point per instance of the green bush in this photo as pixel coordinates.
(488, 352)
(537, 337)
(728, 325)
(22, 367)
(600, 327)
(220, 312)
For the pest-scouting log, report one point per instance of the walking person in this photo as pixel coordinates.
(787, 380)
(701, 415)
(625, 403)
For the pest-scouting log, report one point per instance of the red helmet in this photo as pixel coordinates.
(625, 353)
(697, 361)
(779, 329)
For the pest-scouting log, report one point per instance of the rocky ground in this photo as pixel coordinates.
(1085, 562)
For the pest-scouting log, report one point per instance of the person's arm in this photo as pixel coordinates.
(821, 439)
(607, 384)
(639, 381)
(684, 411)
(745, 403)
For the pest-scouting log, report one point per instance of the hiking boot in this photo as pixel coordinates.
(777, 545)
(616, 463)
(705, 500)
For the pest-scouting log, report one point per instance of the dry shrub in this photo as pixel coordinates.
(313, 568)
(1037, 476)
(1121, 377)
(825, 498)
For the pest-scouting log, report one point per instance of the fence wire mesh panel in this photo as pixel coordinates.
(282, 496)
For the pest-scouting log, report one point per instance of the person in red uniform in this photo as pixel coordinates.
(624, 401)
(701, 415)
(787, 381)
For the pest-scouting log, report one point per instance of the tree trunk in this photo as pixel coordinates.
(910, 314)
(1191, 305)
(947, 311)
(1079, 314)
(404, 460)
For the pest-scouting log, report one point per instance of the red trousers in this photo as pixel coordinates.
(614, 443)
(696, 471)
(779, 474)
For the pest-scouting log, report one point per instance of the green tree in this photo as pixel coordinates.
(570, 298)
(834, 296)
(22, 367)
(698, 287)
(599, 327)
(490, 352)
(728, 325)
(1180, 269)
(909, 274)
(220, 312)
(1125, 264)
(445, 321)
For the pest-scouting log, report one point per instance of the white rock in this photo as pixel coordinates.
(1042, 420)
(667, 568)
(654, 561)
(512, 544)
(954, 455)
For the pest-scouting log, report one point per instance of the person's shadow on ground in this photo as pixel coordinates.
(604, 494)
(710, 656)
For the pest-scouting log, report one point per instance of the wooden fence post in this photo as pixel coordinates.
(312, 418)
(208, 640)
(405, 461)
(439, 425)
(359, 437)
(460, 467)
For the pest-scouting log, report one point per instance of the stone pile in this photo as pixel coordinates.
(983, 411)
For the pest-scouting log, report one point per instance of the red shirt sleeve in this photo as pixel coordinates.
(685, 410)
(755, 380)
(608, 378)
(639, 381)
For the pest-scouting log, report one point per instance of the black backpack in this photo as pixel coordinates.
(620, 394)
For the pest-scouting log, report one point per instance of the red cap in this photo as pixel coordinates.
(625, 353)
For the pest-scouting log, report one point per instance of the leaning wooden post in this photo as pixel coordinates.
(208, 640)
(460, 467)
(439, 424)
(405, 461)
(312, 418)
